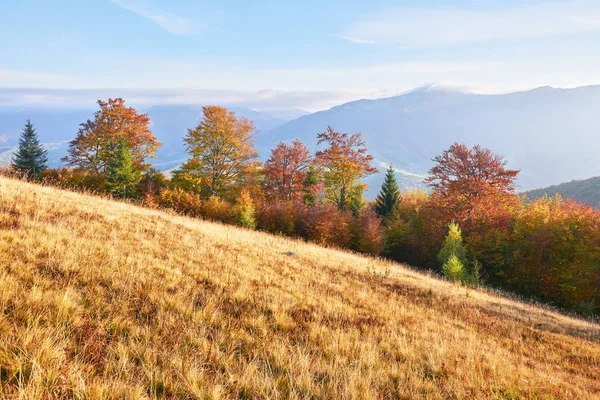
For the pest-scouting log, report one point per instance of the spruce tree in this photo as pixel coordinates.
(389, 195)
(246, 214)
(31, 157)
(310, 181)
(122, 176)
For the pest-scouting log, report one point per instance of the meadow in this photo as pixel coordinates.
(101, 299)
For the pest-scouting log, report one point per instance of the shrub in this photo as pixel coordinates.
(181, 201)
(370, 234)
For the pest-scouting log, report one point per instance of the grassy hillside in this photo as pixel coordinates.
(583, 191)
(100, 299)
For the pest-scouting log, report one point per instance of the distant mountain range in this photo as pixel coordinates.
(583, 191)
(551, 135)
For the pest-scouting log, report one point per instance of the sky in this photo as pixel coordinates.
(309, 55)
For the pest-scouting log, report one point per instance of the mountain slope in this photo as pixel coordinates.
(102, 299)
(550, 134)
(583, 191)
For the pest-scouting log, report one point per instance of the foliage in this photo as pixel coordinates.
(344, 162)
(466, 179)
(97, 142)
(279, 217)
(122, 176)
(312, 187)
(221, 153)
(370, 232)
(453, 269)
(246, 211)
(181, 201)
(453, 246)
(389, 195)
(285, 170)
(31, 157)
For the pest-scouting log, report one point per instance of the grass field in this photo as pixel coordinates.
(101, 299)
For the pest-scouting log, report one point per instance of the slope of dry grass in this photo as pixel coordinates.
(100, 299)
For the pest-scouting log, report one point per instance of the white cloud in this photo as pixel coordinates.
(170, 22)
(410, 27)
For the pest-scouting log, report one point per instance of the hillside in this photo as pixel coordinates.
(102, 299)
(583, 191)
(536, 131)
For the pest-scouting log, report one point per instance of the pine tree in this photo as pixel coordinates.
(310, 182)
(453, 255)
(453, 269)
(389, 195)
(31, 157)
(122, 176)
(246, 215)
(453, 245)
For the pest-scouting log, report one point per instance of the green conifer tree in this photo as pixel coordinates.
(310, 181)
(453, 269)
(31, 157)
(453, 255)
(122, 176)
(389, 195)
(246, 215)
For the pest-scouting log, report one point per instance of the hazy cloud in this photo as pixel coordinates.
(409, 27)
(170, 22)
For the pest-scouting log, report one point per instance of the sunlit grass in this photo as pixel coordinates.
(101, 299)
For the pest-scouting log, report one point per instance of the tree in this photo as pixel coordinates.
(31, 157)
(246, 215)
(465, 179)
(389, 195)
(222, 154)
(453, 255)
(97, 141)
(311, 186)
(122, 175)
(344, 162)
(285, 170)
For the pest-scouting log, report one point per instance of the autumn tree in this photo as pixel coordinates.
(31, 157)
(285, 170)
(389, 195)
(465, 179)
(97, 141)
(344, 162)
(222, 154)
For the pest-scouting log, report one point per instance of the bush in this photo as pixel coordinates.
(181, 201)
(370, 233)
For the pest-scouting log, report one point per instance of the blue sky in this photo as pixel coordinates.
(292, 54)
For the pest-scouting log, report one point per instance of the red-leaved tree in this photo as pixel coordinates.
(285, 170)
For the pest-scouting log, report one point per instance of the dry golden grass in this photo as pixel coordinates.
(101, 299)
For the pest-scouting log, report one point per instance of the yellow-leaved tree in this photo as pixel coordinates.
(222, 155)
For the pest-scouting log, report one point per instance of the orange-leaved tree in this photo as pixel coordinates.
(467, 180)
(344, 162)
(285, 170)
(97, 141)
(222, 155)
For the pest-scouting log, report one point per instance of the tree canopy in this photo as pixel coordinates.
(97, 141)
